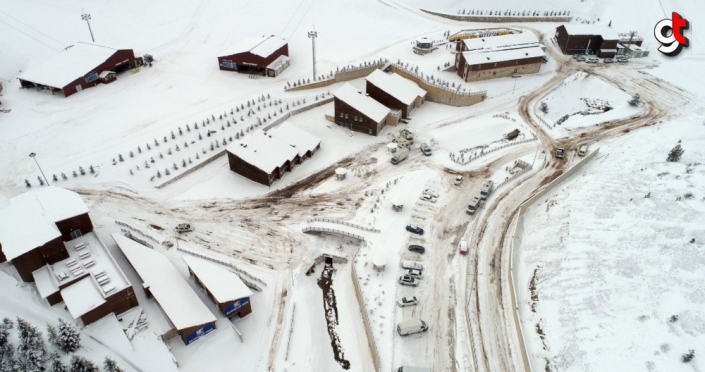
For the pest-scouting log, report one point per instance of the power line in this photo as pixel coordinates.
(30, 36)
(302, 18)
(62, 44)
(292, 17)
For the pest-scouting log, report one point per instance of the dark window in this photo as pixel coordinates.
(75, 234)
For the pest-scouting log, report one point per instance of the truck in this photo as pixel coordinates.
(583, 150)
(472, 207)
(560, 152)
(486, 189)
(410, 326)
(399, 155)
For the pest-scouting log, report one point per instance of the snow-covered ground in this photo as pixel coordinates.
(608, 259)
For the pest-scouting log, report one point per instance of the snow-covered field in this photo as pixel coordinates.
(613, 253)
(584, 100)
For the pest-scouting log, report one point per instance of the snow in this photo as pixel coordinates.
(262, 46)
(223, 284)
(503, 41)
(263, 151)
(613, 265)
(494, 56)
(296, 137)
(45, 281)
(69, 65)
(362, 103)
(82, 297)
(278, 62)
(58, 203)
(180, 303)
(404, 90)
(607, 33)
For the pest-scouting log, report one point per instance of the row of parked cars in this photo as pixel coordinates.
(589, 59)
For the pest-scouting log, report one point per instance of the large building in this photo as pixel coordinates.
(224, 287)
(394, 91)
(359, 112)
(77, 68)
(265, 55)
(601, 41)
(48, 236)
(187, 313)
(492, 57)
(265, 156)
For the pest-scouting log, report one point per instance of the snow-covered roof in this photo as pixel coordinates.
(59, 204)
(262, 46)
(68, 65)
(262, 151)
(299, 139)
(45, 281)
(180, 303)
(223, 284)
(278, 62)
(29, 221)
(362, 103)
(82, 297)
(607, 33)
(482, 57)
(634, 47)
(404, 90)
(497, 42)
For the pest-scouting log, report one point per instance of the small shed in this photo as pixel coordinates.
(379, 261)
(340, 174)
(107, 77)
(397, 205)
(513, 134)
(392, 147)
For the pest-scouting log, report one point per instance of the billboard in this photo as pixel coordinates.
(237, 305)
(208, 328)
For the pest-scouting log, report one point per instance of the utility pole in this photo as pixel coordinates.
(313, 35)
(33, 156)
(87, 17)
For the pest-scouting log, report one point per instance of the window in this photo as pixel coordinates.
(370, 131)
(346, 115)
(75, 234)
(91, 77)
(341, 114)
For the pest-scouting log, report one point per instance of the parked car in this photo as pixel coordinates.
(411, 265)
(418, 274)
(463, 247)
(183, 227)
(407, 301)
(408, 280)
(414, 229)
(580, 59)
(425, 149)
(458, 180)
(622, 60)
(575, 56)
(431, 192)
(428, 198)
(609, 60)
(410, 326)
(417, 248)
(593, 60)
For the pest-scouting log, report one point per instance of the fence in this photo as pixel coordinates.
(139, 232)
(501, 18)
(235, 269)
(439, 93)
(333, 231)
(518, 228)
(342, 223)
(365, 319)
(503, 116)
(346, 73)
(463, 161)
(291, 113)
(515, 176)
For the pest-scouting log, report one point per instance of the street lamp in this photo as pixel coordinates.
(313, 35)
(33, 156)
(87, 17)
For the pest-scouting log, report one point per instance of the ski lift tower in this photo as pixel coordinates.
(313, 35)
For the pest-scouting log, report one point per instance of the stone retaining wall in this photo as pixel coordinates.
(498, 19)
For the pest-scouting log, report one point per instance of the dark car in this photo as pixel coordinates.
(417, 248)
(414, 229)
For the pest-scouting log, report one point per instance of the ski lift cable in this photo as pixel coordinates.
(63, 45)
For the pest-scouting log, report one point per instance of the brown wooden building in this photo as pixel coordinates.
(265, 157)
(265, 55)
(490, 64)
(359, 112)
(224, 287)
(77, 68)
(594, 40)
(394, 91)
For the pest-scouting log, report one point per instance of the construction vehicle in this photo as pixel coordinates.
(560, 152)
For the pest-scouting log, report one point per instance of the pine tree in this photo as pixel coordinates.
(69, 337)
(635, 101)
(32, 350)
(55, 364)
(111, 366)
(81, 364)
(53, 335)
(675, 154)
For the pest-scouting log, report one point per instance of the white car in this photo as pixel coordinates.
(428, 198)
(408, 280)
(417, 274)
(458, 180)
(407, 301)
(431, 192)
(411, 265)
(593, 60)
